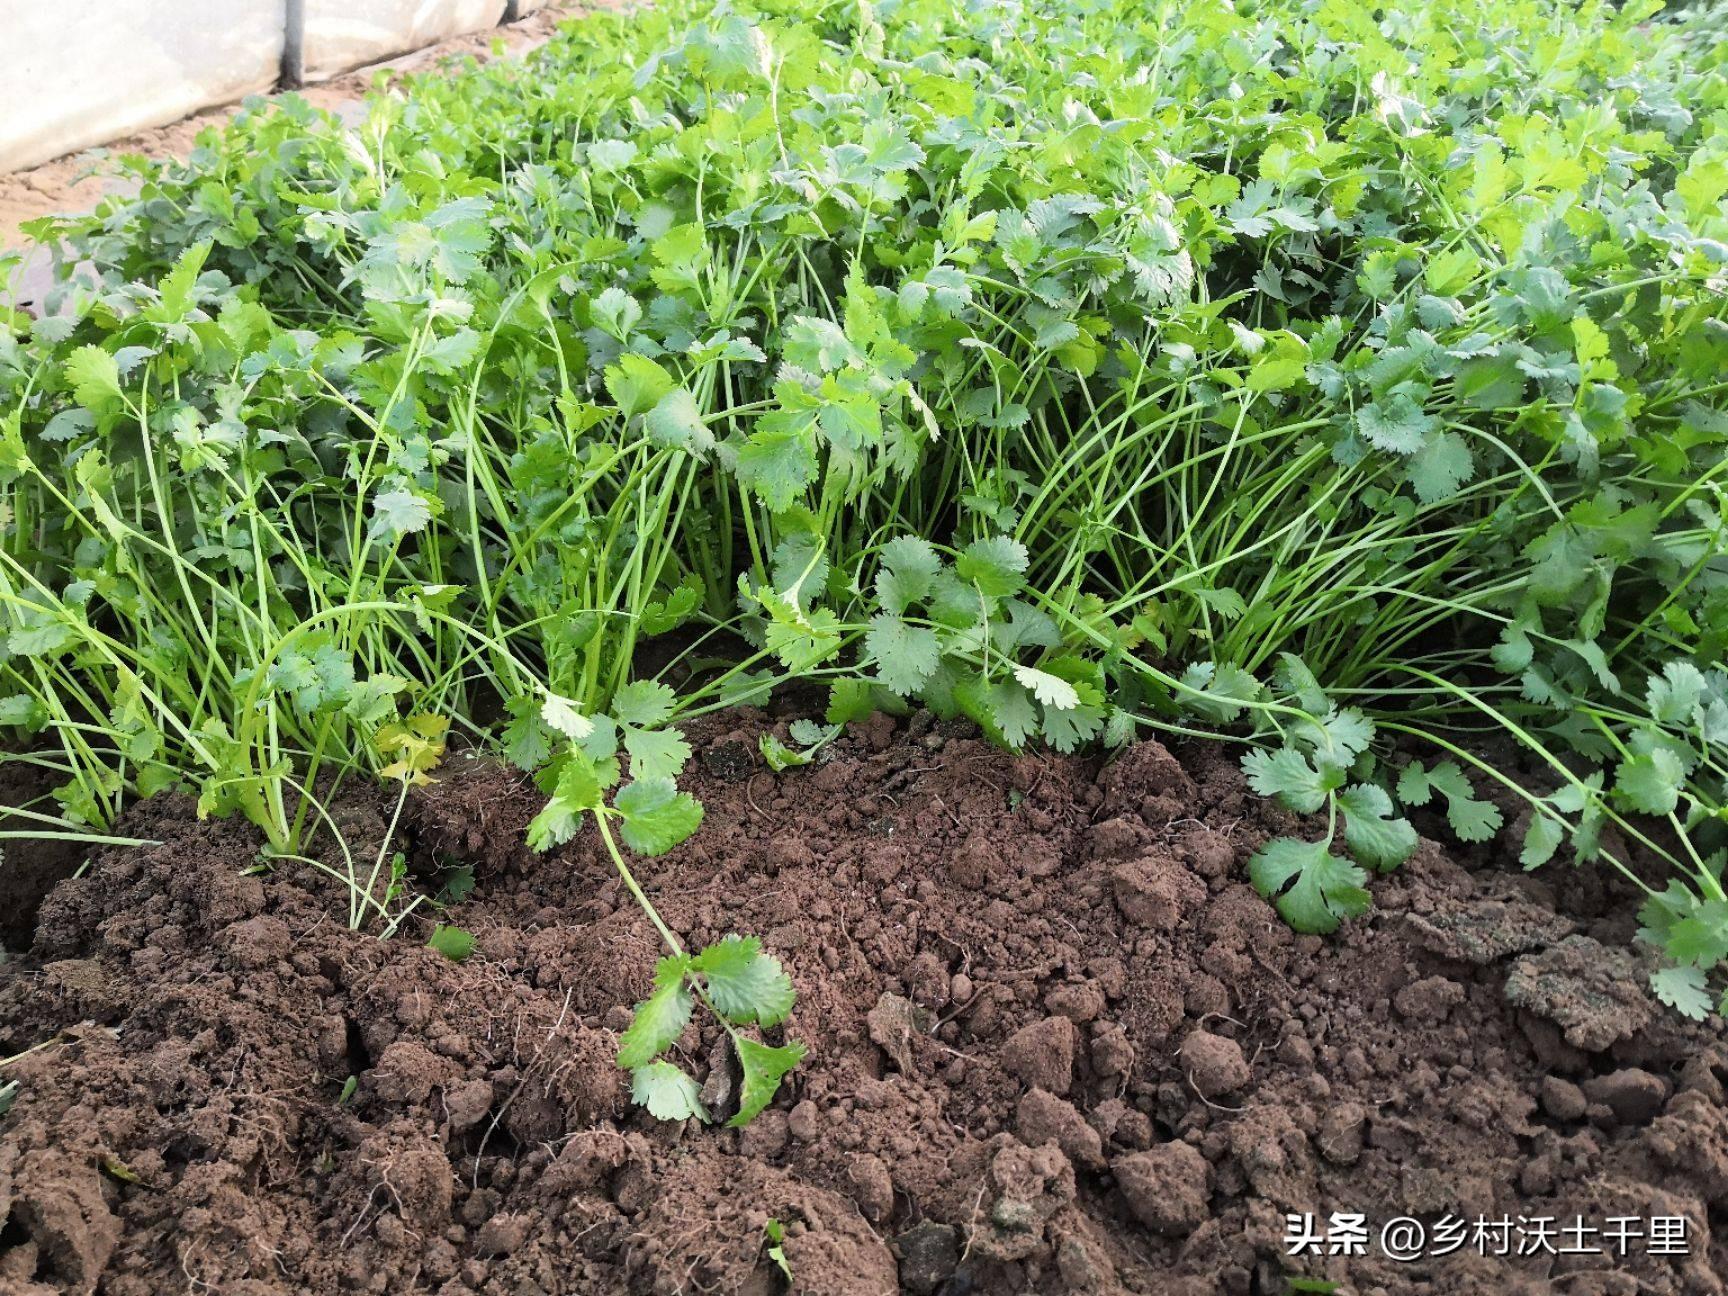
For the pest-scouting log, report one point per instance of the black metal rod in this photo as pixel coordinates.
(293, 44)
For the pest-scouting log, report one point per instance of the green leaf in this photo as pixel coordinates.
(850, 701)
(763, 1067)
(1399, 426)
(397, 513)
(637, 384)
(656, 753)
(656, 815)
(1440, 467)
(447, 354)
(676, 420)
(94, 376)
(1287, 775)
(1701, 937)
(452, 942)
(667, 1092)
(1298, 681)
(909, 567)
(643, 702)
(778, 755)
(1650, 783)
(615, 311)
(1674, 696)
(659, 1019)
(745, 985)
(560, 715)
(1541, 839)
(905, 655)
(1470, 819)
(1050, 690)
(1490, 382)
(1222, 688)
(996, 565)
(1325, 889)
(1684, 990)
(1375, 836)
(800, 640)
(576, 790)
(778, 463)
(458, 885)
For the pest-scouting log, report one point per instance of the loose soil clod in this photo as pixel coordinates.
(1057, 1045)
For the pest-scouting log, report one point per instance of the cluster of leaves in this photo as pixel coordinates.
(733, 979)
(1346, 381)
(741, 986)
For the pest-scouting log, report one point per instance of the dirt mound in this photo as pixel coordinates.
(1057, 1045)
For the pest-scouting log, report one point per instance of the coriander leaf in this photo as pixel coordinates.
(667, 1092)
(1541, 839)
(1673, 697)
(1287, 775)
(804, 641)
(1051, 690)
(1440, 467)
(1684, 990)
(560, 715)
(996, 565)
(905, 655)
(637, 384)
(850, 701)
(452, 942)
(746, 986)
(656, 815)
(1326, 889)
(576, 789)
(778, 755)
(1650, 783)
(1399, 426)
(777, 463)
(676, 420)
(397, 513)
(1470, 819)
(1701, 938)
(1218, 690)
(94, 376)
(908, 572)
(643, 702)
(659, 1019)
(1375, 836)
(1294, 678)
(656, 753)
(763, 1069)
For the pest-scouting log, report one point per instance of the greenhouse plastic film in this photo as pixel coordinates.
(343, 34)
(74, 76)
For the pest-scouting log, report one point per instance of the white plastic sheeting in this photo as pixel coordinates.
(343, 34)
(80, 74)
(73, 75)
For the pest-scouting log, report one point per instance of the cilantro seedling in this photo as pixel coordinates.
(733, 980)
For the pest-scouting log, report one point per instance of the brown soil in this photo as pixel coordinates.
(29, 870)
(1057, 1045)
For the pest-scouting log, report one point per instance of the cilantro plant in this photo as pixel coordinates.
(738, 984)
(1342, 382)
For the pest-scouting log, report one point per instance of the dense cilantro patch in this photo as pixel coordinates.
(1322, 377)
